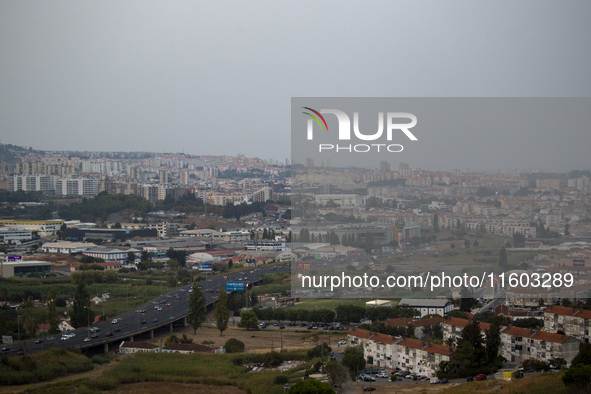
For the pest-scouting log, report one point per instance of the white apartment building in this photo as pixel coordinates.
(520, 344)
(574, 322)
(31, 183)
(385, 351)
(76, 187)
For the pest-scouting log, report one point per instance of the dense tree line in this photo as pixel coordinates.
(89, 209)
(342, 313)
(237, 211)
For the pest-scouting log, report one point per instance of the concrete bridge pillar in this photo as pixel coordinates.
(151, 334)
(131, 338)
(106, 347)
(185, 321)
(171, 327)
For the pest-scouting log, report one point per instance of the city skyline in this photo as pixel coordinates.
(203, 80)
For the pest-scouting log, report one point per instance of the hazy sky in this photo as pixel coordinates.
(217, 77)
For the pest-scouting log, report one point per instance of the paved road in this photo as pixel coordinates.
(173, 305)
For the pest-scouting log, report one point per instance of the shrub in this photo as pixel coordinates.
(234, 345)
(273, 359)
(281, 379)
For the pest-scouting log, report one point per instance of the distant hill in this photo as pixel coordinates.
(12, 153)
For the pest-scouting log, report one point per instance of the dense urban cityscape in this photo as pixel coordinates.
(146, 245)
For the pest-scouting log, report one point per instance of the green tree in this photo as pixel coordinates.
(578, 376)
(222, 313)
(471, 352)
(130, 260)
(29, 318)
(80, 306)
(354, 359)
(584, 355)
(311, 386)
(518, 240)
(234, 345)
(503, 257)
(248, 319)
(185, 339)
(52, 315)
(337, 375)
(171, 339)
(196, 312)
(493, 343)
(467, 243)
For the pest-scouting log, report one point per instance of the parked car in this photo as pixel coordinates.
(382, 375)
(444, 380)
(480, 376)
(342, 342)
(470, 379)
(369, 388)
(369, 378)
(434, 380)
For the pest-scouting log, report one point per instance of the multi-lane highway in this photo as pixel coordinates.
(159, 313)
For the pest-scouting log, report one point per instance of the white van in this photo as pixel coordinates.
(434, 380)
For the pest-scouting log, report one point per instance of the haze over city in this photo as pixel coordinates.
(218, 78)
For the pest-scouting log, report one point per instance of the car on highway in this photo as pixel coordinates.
(109, 334)
(95, 329)
(168, 304)
(142, 311)
(5, 348)
(37, 341)
(87, 339)
(155, 320)
(143, 322)
(114, 321)
(94, 335)
(117, 330)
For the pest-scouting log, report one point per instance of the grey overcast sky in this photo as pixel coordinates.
(217, 77)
